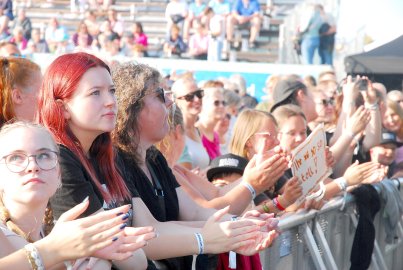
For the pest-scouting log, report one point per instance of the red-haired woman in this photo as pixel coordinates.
(78, 105)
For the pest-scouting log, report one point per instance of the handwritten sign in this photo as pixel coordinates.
(309, 162)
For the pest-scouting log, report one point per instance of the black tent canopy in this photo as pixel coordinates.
(383, 64)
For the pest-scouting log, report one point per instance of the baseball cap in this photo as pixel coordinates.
(228, 163)
(284, 89)
(388, 137)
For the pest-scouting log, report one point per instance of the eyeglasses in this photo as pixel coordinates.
(160, 94)
(218, 102)
(199, 93)
(264, 134)
(18, 162)
(326, 102)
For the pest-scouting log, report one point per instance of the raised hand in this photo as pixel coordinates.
(357, 173)
(222, 236)
(292, 191)
(264, 174)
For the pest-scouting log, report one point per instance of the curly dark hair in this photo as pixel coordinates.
(133, 82)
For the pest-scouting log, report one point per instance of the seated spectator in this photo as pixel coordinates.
(243, 12)
(140, 38)
(175, 13)
(108, 32)
(6, 15)
(36, 44)
(116, 24)
(220, 7)
(197, 11)
(24, 22)
(92, 24)
(174, 46)
(82, 30)
(198, 43)
(54, 34)
(127, 43)
(18, 38)
(82, 43)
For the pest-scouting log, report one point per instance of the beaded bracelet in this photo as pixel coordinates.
(200, 242)
(34, 257)
(277, 204)
(250, 188)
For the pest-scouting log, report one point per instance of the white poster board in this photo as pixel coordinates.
(309, 162)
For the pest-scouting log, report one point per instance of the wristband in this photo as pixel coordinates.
(200, 242)
(342, 183)
(34, 257)
(250, 188)
(277, 204)
(372, 107)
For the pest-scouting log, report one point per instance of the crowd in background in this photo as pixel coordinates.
(198, 30)
(128, 160)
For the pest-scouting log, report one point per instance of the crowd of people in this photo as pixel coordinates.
(199, 30)
(117, 166)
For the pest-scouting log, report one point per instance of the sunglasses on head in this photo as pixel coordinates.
(326, 102)
(199, 93)
(218, 102)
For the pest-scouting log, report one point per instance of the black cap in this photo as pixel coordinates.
(388, 137)
(226, 164)
(284, 89)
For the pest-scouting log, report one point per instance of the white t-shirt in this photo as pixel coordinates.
(197, 153)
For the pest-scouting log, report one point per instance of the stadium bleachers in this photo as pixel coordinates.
(151, 14)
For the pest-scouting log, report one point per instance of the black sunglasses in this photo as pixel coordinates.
(326, 102)
(218, 102)
(160, 94)
(199, 93)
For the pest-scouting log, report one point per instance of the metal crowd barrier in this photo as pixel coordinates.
(323, 239)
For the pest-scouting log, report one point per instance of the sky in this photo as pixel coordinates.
(382, 20)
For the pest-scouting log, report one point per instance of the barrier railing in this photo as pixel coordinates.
(323, 239)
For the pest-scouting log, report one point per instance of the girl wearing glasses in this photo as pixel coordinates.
(142, 122)
(256, 132)
(29, 176)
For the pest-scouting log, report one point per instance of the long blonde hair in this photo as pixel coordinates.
(248, 123)
(5, 216)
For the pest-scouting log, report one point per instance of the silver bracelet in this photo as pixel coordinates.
(372, 107)
(250, 188)
(200, 242)
(34, 257)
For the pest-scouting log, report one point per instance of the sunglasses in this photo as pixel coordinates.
(326, 102)
(199, 93)
(218, 102)
(160, 93)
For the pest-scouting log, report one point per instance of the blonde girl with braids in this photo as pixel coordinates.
(29, 176)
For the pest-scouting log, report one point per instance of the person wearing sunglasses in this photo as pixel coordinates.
(189, 99)
(213, 110)
(324, 107)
